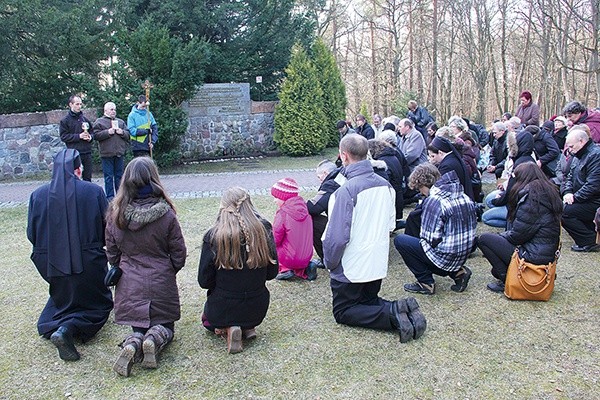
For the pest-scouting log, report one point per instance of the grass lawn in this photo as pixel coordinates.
(478, 344)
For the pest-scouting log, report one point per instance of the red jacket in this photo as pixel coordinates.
(592, 119)
(292, 230)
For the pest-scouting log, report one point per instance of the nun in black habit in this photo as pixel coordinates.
(66, 227)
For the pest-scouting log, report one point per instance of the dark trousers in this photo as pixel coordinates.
(112, 167)
(141, 153)
(498, 251)
(416, 260)
(319, 224)
(358, 304)
(578, 221)
(86, 162)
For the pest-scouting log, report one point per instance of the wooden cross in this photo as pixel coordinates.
(147, 86)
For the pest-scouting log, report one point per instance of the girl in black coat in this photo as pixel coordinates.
(238, 257)
(534, 212)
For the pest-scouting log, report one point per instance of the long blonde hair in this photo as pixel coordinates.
(239, 234)
(140, 172)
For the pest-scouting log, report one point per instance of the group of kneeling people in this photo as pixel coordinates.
(70, 222)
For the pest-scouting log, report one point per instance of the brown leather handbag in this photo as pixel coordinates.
(527, 281)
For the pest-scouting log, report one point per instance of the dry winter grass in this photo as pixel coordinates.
(478, 345)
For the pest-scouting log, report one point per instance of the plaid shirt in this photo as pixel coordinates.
(448, 224)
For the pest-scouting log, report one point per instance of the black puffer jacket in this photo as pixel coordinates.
(535, 231)
(583, 180)
(546, 150)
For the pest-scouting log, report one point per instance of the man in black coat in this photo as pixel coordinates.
(66, 227)
(77, 133)
(317, 206)
(581, 191)
(499, 150)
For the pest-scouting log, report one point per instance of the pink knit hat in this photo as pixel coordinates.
(284, 189)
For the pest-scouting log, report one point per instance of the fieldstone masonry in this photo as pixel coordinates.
(222, 121)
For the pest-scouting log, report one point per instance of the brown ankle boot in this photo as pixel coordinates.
(131, 353)
(155, 340)
(234, 339)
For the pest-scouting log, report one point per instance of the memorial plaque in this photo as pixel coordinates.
(219, 99)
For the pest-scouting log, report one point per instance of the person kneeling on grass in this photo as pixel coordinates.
(356, 246)
(238, 257)
(293, 232)
(144, 238)
(533, 226)
(448, 225)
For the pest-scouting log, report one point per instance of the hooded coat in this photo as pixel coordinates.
(66, 228)
(534, 230)
(522, 154)
(395, 175)
(150, 251)
(292, 230)
(546, 150)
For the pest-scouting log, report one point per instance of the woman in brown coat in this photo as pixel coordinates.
(144, 239)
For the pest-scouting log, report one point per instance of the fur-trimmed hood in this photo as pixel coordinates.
(141, 212)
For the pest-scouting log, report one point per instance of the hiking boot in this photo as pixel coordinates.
(421, 288)
(461, 279)
(131, 353)
(234, 339)
(155, 340)
(496, 287)
(249, 334)
(311, 271)
(63, 340)
(401, 321)
(284, 276)
(416, 317)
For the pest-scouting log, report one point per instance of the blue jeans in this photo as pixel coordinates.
(416, 260)
(495, 216)
(112, 167)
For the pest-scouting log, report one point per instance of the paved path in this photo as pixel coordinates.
(186, 186)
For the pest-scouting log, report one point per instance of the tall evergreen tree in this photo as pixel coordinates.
(334, 91)
(299, 117)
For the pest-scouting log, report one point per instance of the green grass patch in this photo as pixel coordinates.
(478, 344)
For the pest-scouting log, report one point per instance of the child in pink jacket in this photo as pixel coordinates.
(292, 229)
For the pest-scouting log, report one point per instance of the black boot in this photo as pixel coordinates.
(63, 340)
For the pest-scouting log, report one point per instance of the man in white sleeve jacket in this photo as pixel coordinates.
(356, 248)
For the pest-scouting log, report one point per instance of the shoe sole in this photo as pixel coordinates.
(149, 360)
(124, 361)
(234, 340)
(417, 318)
(66, 350)
(464, 282)
(249, 334)
(407, 331)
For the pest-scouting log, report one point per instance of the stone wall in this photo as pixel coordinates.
(29, 141)
(217, 135)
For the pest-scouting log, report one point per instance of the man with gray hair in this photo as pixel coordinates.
(581, 191)
(317, 206)
(412, 144)
(356, 247)
(113, 141)
(499, 151)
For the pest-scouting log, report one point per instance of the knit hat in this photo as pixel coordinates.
(284, 189)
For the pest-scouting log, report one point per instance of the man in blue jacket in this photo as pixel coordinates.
(142, 128)
(362, 214)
